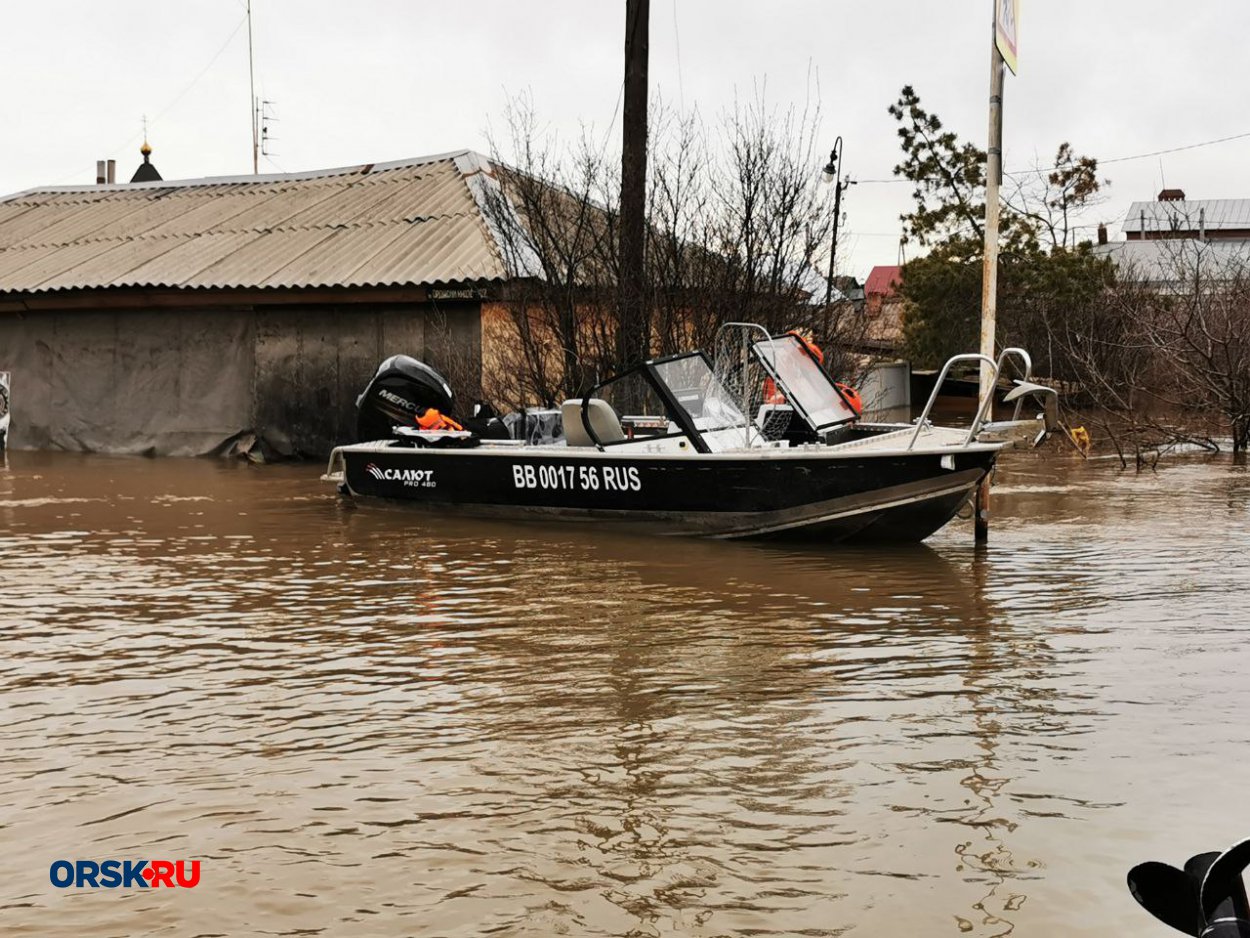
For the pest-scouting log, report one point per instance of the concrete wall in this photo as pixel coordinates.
(182, 381)
(886, 391)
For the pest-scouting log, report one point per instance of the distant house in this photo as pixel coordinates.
(170, 316)
(1173, 216)
(851, 290)
(884, 306)
(881, 286)
(1168, 241)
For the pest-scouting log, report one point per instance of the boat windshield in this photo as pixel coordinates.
(699, 392)
(672, 397)
(806, 386)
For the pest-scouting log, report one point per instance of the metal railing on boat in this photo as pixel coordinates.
(995, 369)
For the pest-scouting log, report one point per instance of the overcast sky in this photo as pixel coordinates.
(376, 80)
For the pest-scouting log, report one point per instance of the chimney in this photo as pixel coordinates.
(100, 178)
(1102, 233)
(1172, 195)
(112, 171)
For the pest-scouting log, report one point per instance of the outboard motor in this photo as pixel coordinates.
(1207, 898)
(401, 389)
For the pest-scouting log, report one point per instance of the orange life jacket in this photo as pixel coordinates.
(811, 347)
(852, 398)
(431, 419)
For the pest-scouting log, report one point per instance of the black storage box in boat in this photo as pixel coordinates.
(485, 423)
(401, 390)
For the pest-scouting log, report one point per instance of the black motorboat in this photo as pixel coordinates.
(679, 446)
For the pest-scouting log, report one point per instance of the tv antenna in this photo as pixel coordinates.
(266, 118)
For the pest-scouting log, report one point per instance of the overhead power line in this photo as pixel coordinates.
(204, 71)
(1117, 159)
(1191, 146)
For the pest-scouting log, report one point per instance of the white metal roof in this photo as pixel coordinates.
(1166, 261)
(1188, 215)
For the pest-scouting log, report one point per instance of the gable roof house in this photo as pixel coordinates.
(170, 316)
(1169, 241)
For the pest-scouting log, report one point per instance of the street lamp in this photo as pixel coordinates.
(833, 174)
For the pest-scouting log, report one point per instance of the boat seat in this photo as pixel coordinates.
(606, 424)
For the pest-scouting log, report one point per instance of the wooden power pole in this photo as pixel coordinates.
(632, 335)
(989, 271)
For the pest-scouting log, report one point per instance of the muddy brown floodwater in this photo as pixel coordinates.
(370, 721)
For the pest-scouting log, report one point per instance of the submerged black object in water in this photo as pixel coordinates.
(1206, 899)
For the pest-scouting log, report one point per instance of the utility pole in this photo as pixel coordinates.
(833, 173)
(1002, 27)
(251, 83)
(993, 180)
(632, 336)
(833, 245)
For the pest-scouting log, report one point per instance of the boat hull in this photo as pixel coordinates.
(811, 495)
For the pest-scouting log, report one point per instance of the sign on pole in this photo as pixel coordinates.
(1006, 30)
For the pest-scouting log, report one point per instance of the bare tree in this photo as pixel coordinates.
(1100, 352)
(736, 224)
(552, 214)
(1050, 200)
(1201, 334)
(1164, 357)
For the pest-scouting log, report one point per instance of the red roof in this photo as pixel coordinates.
(883, 280)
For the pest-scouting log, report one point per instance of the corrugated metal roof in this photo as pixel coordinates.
(414, 222)
(1188, 214)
